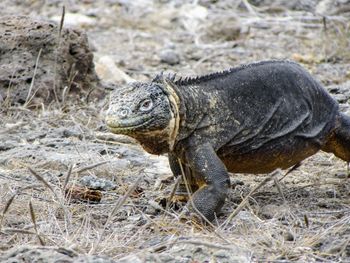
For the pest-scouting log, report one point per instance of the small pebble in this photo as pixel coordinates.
(93, 182)
(169, 56)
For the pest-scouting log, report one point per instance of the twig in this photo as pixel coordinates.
(245, 200)
(69, 173)
(88, 167)
(250, 8)
(296, 166)
(42, 180)
(16, 230)
(194, 206)
(201, 243)
(278, 186)
(7, 206)
(29, 98)
(172, 193)
(56, 55)
(33, 217)
(117, 206)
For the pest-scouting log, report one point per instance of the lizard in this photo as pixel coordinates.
(252, 118)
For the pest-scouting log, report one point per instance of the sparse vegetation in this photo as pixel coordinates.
(302, 217)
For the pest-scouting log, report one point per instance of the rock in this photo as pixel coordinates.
(130, 259)
(333, 7)
(35, 63)
(169, 56)
(109, 72)
(332, 193)
(191, 253)
(93, 182)
(75, 20)
(303, 5)
(48, 255)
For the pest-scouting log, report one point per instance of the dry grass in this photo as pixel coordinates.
(300, 217)
(309, 225)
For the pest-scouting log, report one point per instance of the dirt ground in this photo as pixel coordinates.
(302, 217)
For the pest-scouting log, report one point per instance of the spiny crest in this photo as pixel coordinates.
(211, 76)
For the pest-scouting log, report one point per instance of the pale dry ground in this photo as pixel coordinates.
(312, 222)
(306, 220)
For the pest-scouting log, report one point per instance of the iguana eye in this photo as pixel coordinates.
(146, 105)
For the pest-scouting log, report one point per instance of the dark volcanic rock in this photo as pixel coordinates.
(35, 60)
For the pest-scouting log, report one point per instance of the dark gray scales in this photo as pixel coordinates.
(250, 119)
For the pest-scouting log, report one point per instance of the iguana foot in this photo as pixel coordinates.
(207, 202)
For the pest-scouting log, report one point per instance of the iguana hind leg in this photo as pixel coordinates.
(339, 141)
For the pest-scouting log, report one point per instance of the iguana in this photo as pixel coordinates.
(254, 118)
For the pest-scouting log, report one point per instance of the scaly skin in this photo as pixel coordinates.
(251, 119)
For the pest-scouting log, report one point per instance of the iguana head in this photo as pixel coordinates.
(143, 110)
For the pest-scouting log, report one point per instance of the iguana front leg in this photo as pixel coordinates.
(207, 166)
(181, 194)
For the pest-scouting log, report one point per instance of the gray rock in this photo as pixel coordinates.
(169, 56)
(305, 5)
(187, 253)
(333, 7)
(93, 182)
(31, 53)
(48, 255)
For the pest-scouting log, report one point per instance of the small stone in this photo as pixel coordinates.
(288, 236)
(75, 20)
(108, 71)
(236, 182)
(169, 56)
(93, 182)
(130, 259)
(341, 175)
(222, 254)
(332, 193)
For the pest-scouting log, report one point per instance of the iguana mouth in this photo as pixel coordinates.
(125, 126)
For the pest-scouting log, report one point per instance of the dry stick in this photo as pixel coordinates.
(33, 217)
(69, 173)
(250, 8)
(172, 193)
(7, 206)
(9, 202)
(194, 206)
(296, 166)
(66, 89)
(117, 206)
(324, 22)
(245, 200)
(201, 243)
(16, 230)
(279, 188)
(29, 98)
(41, 179)
(58, 47)
(80, 170)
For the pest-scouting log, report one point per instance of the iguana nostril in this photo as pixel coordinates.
(124, 112)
